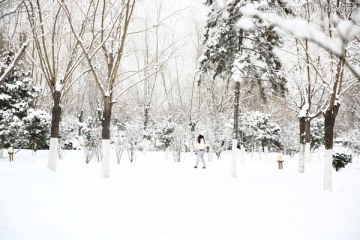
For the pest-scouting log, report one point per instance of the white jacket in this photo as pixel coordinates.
(201, 145)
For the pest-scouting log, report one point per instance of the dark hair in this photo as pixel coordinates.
(200, 137)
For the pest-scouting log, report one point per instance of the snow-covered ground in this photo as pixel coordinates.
(155, 198)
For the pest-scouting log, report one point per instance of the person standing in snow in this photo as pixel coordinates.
(200, 150)
(11, 153)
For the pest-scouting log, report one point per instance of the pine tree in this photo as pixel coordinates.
(241, 48)
(317, 133)
(16, 95)
(36, 128)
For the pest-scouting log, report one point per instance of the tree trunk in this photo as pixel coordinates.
(146, 117)
(329, 124)
(54, 135)
(236, 129)
(80, 121)
(302, 123)
(105, 135)
(106, 117)
(233, 162)
(307, 142)
(236, 110)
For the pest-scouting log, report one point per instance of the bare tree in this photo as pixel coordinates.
(57, 57)
(104, 49)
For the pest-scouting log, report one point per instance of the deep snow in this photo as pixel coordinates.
(155, 198)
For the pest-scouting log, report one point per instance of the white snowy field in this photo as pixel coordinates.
(155, 198)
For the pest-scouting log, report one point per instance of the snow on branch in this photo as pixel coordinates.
(5, 73)
(300, 28)
(134, 84)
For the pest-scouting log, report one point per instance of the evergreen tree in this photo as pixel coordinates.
(242, 48)
(16, 95)
(36, 128)
(317, 133)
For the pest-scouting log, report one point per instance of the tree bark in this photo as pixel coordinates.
(80, 121)
(54, 134)
(106, 117)
(329, 124)
(105, 135)
(307, 140)
(56, 115)
(236, 110)
(236, 129)
(302, 123)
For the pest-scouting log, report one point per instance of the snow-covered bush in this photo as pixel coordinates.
(289, 136)
(165, 132)
(36, 128)
(90, 130)
(317, 133)
(69, 134)
(340, 160)
(353, 136)
(134, 135)
(256, 128)
(219, 133)
(178, 140)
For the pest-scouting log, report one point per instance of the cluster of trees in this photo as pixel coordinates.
(104, 69)
(322, 48)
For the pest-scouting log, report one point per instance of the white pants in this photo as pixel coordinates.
(200, 154)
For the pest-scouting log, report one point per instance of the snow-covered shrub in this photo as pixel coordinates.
(36, 128)
(256, 128)
(134, 134)
(178, 140)
(340, 160)
(165, 132)
(353, 136)
(69, 138)
(317, 133)
(219, 133)
(289, 137)
(91, 136)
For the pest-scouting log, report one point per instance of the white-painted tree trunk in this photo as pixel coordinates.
(307, 153)
(328, 170)
(53, 154)
(242, 153)
(233, 161)
(1, 153)
(302, 158)
(105, 158)
(284, 152)
(34, 156)
(210, 154)
(260, 151)
(266, 150)
(167, 154)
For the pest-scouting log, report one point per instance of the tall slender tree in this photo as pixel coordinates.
(241, 49)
